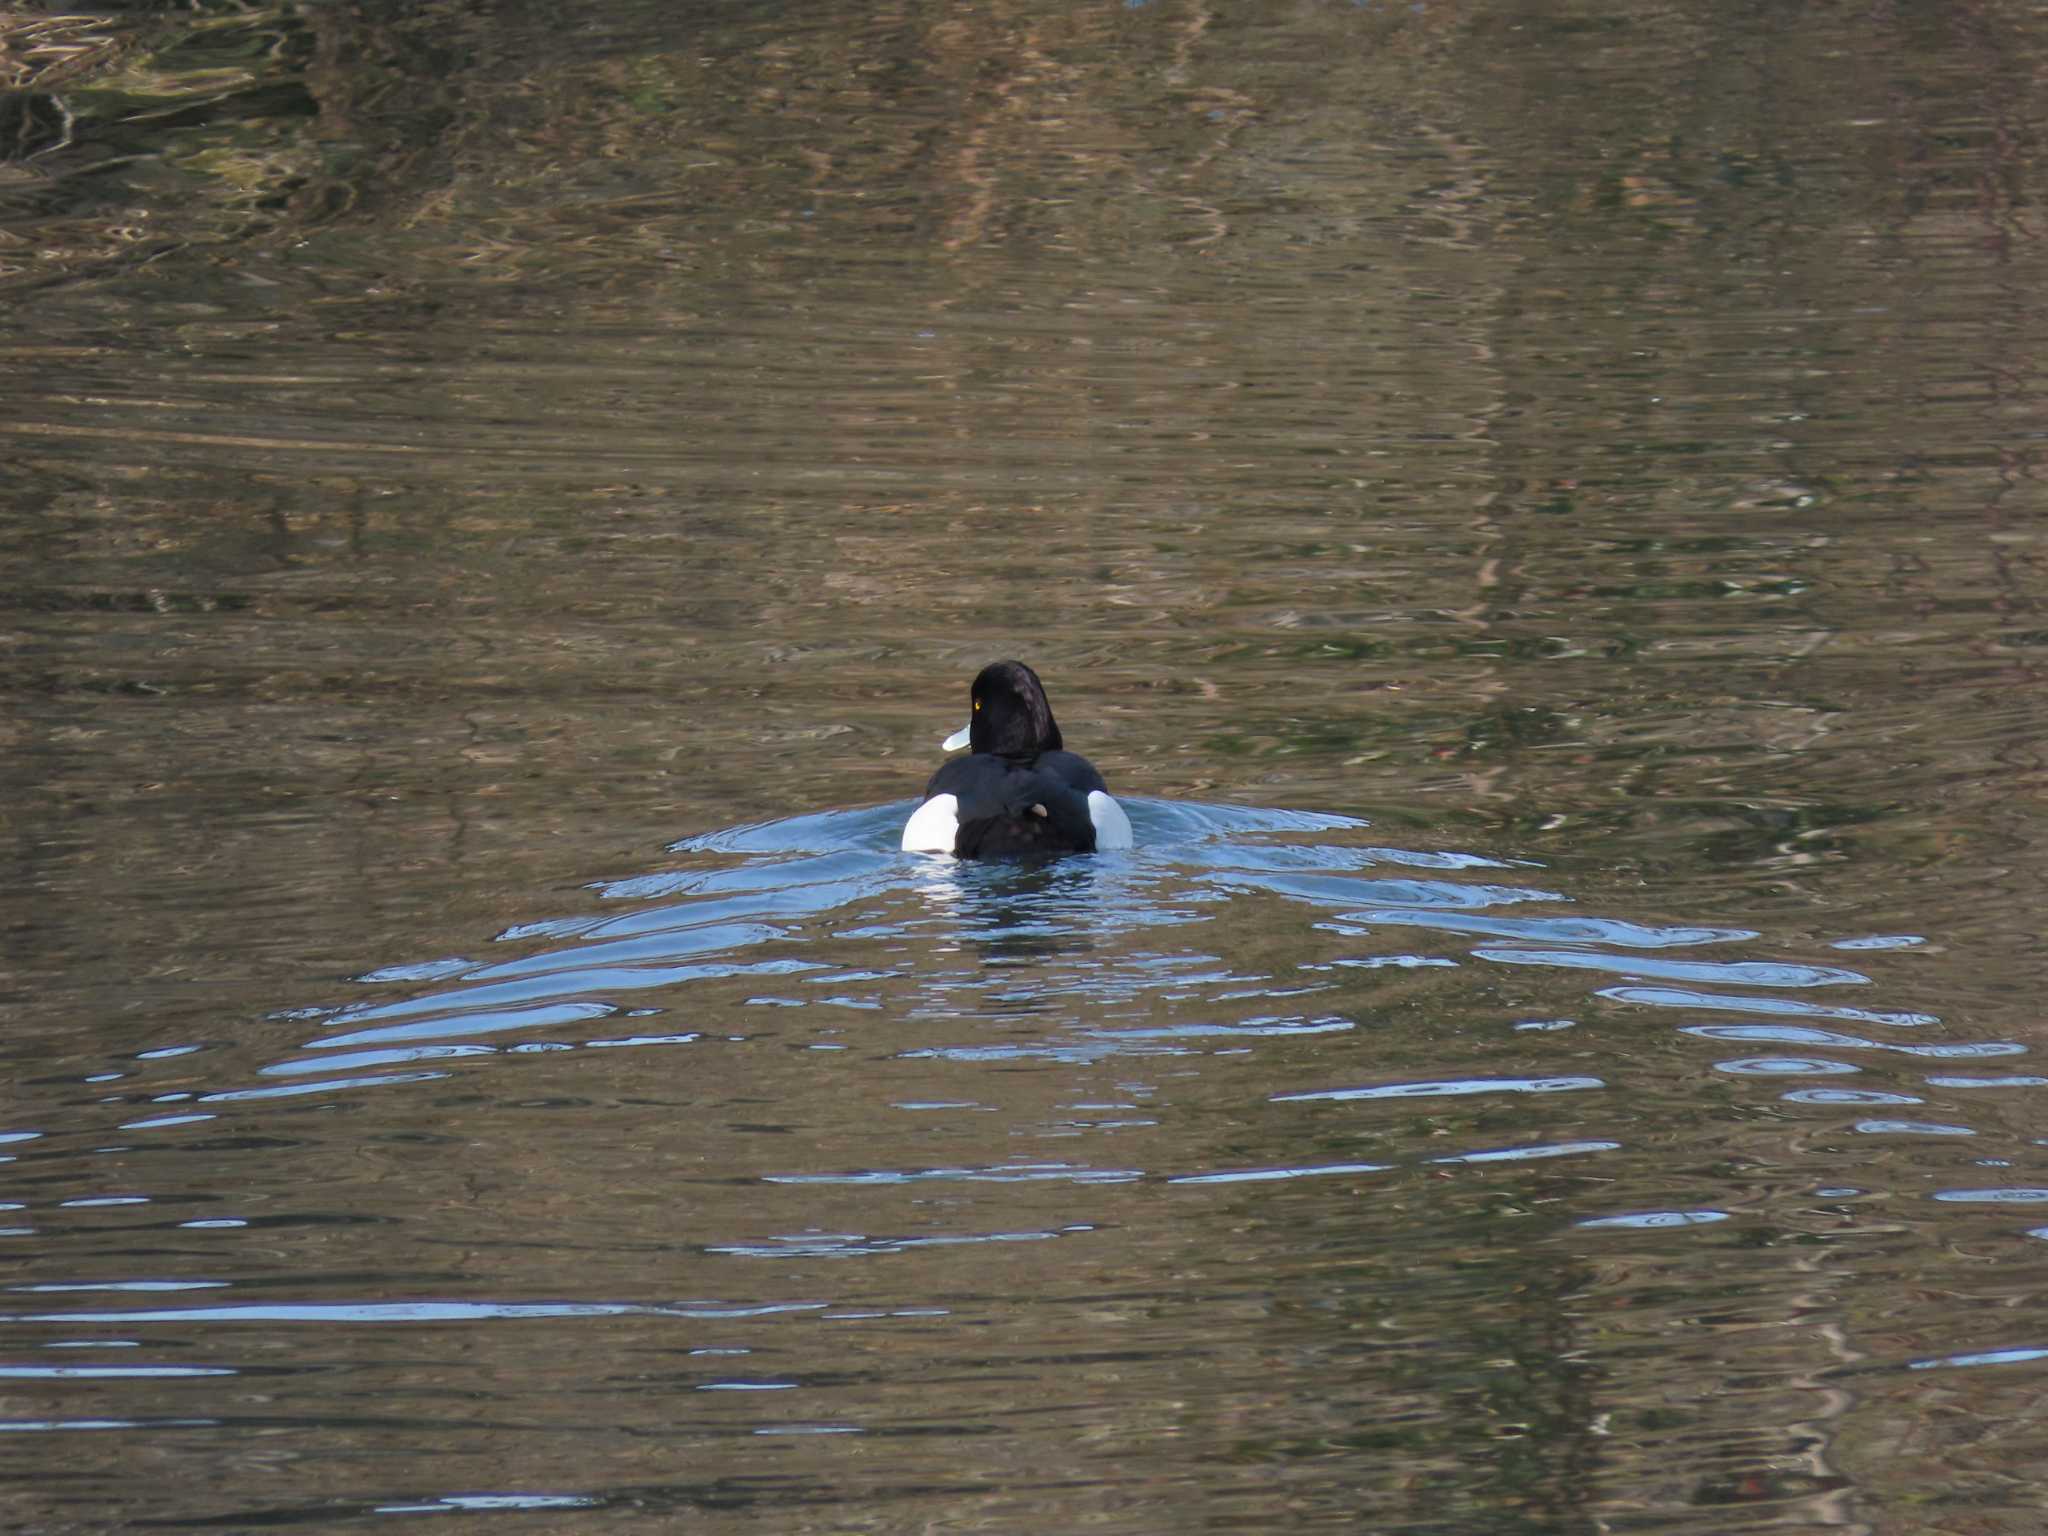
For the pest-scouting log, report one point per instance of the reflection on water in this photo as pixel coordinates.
(1533, 509)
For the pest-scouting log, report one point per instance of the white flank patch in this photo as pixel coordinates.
(1112, 826)
(934, 825)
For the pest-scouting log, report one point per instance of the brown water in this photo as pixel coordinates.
(1536, 511)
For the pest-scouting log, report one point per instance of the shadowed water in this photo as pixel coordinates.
(1535, 510)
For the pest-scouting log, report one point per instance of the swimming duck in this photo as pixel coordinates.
(1019, 792)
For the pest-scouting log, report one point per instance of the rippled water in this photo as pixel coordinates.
(1534, 510)
(1266, 1146)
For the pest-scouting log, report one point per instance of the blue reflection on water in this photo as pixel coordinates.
(755, 906)
(753, 901)
(699, 924)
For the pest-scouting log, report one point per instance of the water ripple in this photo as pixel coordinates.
(324, 1085)
(1945, 1080)
(1785, 1066)
(113, 1372)
(1667, 997)
(1265, 1175)
(1910, 1128)
(1644, 1220)
(1559, 930)
(1754, 973)
(2014, 1356)
(1530, 1154)
(1005, 1173)
(849, 1245)
(414, 1312)
(1793, 1034)
(1446, 1087)
(471, 1503)
(1999, 1196)
(1847, 1096)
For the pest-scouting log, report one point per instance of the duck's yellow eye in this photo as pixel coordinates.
(977, 703)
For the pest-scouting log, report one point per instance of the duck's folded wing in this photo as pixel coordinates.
(1112, 826)
(934, 826)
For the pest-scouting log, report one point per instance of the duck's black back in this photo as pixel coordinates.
(1017, 807)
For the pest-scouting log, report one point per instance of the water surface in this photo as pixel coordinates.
(1536, 512)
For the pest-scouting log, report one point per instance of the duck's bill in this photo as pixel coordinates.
(958, 739)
